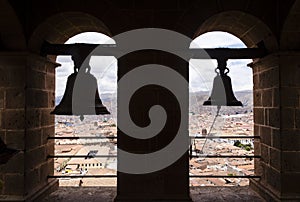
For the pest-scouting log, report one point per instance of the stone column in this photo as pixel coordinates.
(27, 85)
(170, 183)
(277, 119)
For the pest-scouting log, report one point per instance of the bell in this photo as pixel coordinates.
(222, 93)
(81, 96)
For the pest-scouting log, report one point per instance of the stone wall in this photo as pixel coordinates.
(27, 87)
(276, 103)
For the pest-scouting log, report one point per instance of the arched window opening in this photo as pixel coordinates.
(207, 130)
(90, 135)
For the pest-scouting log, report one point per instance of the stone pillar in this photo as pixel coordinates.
(276, 118)
(27, 84)
(170, 183)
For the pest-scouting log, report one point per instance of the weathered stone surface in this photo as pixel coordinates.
(15, 139)
(259, 116)
(47, 119)
(35, 157)
(33, 138)
(267, 98)
(37, 98)
(14, 119)
(198, 194)
(275, 158)
(15, 98)
(33, 118)
(2, 97)
(265, 135)
(288, 118)
(14, 184)
(290, 161)
(32, 179)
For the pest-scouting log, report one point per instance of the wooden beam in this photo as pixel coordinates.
(113, 50)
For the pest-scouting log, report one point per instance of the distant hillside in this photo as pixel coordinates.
(106, 97)
(196, 101)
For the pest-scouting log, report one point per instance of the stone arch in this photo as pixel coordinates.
(11, 31)
(290, 33)
(60, 27)
(251, 30)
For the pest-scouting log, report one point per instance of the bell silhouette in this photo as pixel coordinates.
(222, 93)
(81, 96)
(6, 153)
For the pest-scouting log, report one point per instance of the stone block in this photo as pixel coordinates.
(15, 98)
(2, 134)
(35, 157)
(276, 97)
(290, 140)
(290, 64)
(15, 139)
(37, 98)
(36, 79)
(2, 119)
(267, 98)
(44, 172)
(257, 98)
(289, 97)
(32, 179)
(14, 119)
(47, 119)
(15, 165)
(265, 153)
(275, 158)
(274, 117)
(288, 118)
(256, 129)
(256, 147)
(51, 166)
(14, 184)
(259, 115)
(36, 63)
(33, 118)
(50, 148)
(47, 132)
(297, 121)
(265, 135)
(290, 183)
(256, 81)
(50, 82)
(258, 168)
(269, 78)
(51, 99)
(290, 161)
(2, 98)
(3, 77)
(12, 76)
(276, 139)
(50, 67)
(33, 138)
(273, 178)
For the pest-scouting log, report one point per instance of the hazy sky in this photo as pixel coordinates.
(104, 68)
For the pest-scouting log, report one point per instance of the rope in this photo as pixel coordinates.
(209, 132)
